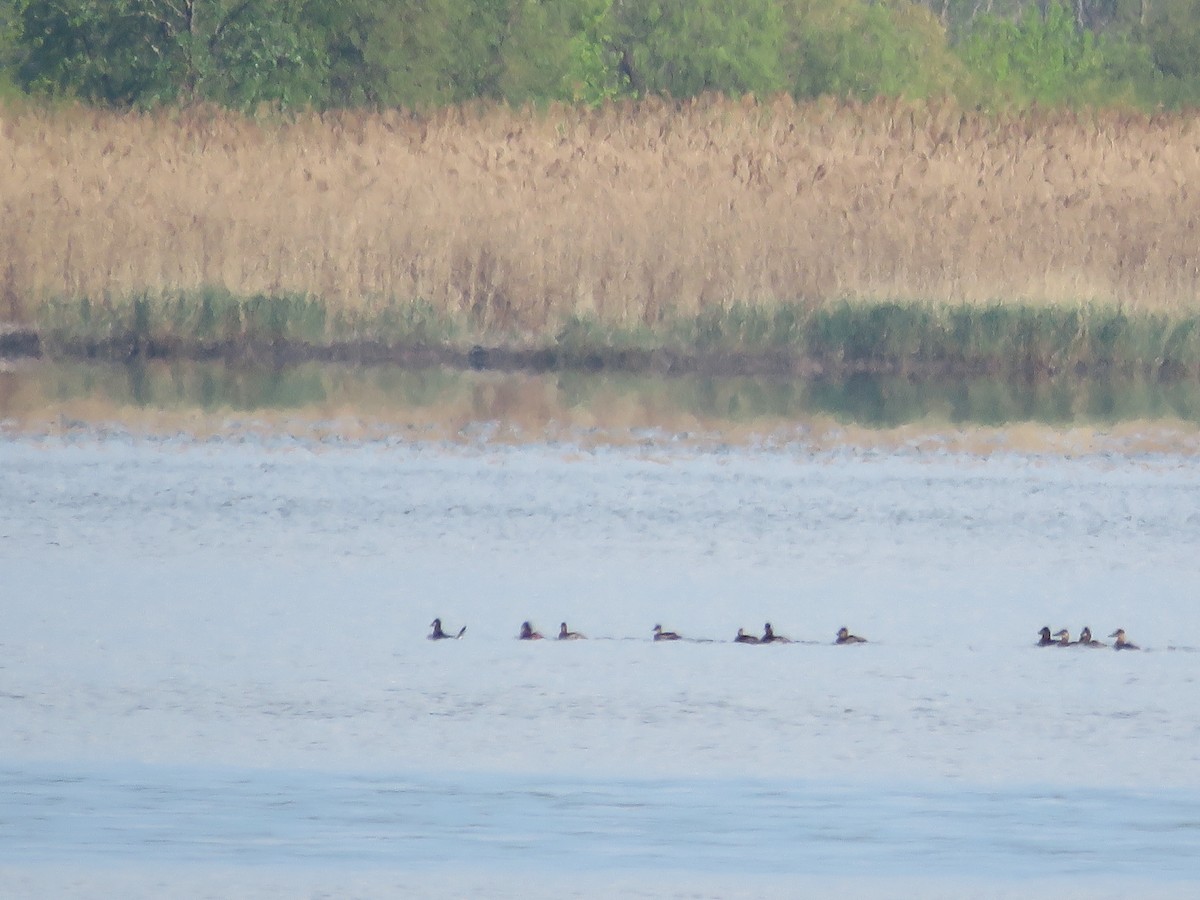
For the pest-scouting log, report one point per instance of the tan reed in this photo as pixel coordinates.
(515, 221)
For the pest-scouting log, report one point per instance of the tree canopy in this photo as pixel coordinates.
(336, 53)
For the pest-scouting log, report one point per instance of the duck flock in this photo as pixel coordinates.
(527, 632)
(1063, 639)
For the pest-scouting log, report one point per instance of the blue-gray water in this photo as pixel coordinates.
(167, 815)
(213, 665)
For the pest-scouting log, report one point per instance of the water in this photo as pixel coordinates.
(214, 678)
(423, 395)
(230, 817)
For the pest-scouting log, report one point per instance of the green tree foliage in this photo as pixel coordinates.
(1173, 35)
(854, 48)
(10, 44)
(126, 52)
(430, 53)
(562, 50)
(1042, 56)
(423, 53)
(1170, 37)
(685, 47)
(414, 54)
(595, 70)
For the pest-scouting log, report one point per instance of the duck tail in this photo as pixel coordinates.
(461, 632)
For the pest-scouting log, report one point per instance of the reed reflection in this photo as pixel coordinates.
(601, 399)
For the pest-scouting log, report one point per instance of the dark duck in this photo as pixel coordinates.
(770, 637)
(528, 634)
(439, 635)
(845, 637)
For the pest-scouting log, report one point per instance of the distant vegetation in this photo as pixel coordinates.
(1048, 239)
(401, 53)
(950, 184)
(839, 339)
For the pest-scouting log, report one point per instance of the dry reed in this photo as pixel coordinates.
(515, 221)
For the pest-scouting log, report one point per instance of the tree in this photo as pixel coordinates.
(1042, 57)
(139, 52)
(414, 54)
(9, 46)
(852, 48)
(1173, 35)
(685, 47)
(561, 50)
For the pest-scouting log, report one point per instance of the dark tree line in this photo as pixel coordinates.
(335, 53)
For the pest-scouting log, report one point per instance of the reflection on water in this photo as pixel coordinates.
(590, 398)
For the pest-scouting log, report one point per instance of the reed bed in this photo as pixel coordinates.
(836, 337)
(706, 220)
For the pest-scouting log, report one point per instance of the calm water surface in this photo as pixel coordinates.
(164, 815)
(650, 401)
(213, 658)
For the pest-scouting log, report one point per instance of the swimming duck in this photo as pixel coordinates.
(528, 634)
(845, 637)
(660, 635)
(1121, 643)
(439, 635)
(1064, 638)
(743, 638)
(1044, 639)
(770, 637)
(564, 635)
(1086, 639)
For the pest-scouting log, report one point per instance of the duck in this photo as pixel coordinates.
(564, 635)
(1064, 638)
(439, 635)
(770, 637)
(845, 637)
(1044, 639)
(660, 635)
(528, 634)
(1121, 643)
(743, 638)
(1086, 639)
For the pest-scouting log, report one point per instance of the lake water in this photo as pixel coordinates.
(440, 395)
(215, 681)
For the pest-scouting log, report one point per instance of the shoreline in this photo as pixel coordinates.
(17, 343)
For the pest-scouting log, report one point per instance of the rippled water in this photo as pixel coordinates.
(214, 676)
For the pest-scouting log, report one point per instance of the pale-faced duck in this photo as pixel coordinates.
(1120, 643)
